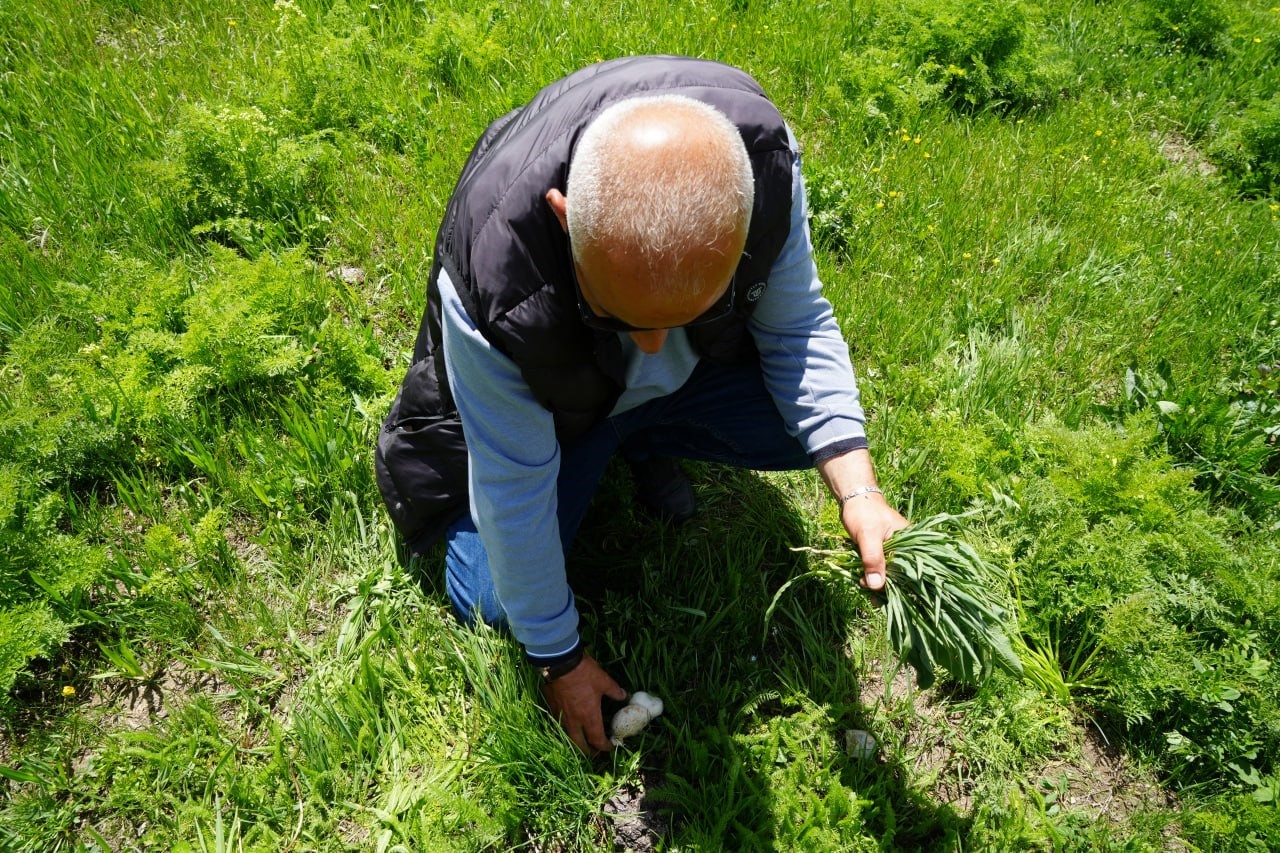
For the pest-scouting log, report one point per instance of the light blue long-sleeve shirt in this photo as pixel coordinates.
(514, 458)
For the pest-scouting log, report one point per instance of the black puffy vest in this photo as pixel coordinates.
(509, 261)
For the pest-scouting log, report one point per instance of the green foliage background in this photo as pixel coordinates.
(1049, 231)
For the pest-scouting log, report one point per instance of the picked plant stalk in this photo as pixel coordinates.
(938, 607)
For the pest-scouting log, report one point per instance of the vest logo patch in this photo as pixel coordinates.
(756, 291)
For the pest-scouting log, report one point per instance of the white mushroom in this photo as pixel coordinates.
(634, 716)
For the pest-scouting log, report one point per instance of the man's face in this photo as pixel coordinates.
(613, 284)
(615, 289)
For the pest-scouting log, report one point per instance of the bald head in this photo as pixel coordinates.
(660, 188)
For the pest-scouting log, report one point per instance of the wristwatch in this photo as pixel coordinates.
(549, 669)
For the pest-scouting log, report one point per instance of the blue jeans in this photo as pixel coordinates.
(721, 414)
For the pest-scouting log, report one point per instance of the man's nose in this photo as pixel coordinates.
(650, 342)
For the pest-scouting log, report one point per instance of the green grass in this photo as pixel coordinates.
(1066, 318)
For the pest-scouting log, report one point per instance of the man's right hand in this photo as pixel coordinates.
(574, 698)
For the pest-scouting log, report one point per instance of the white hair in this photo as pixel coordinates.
(658, 209)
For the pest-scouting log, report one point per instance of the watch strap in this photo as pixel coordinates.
(557, 666)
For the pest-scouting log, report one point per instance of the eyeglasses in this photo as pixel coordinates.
(722, 308)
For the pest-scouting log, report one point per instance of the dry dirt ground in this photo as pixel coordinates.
(1088, 775)
(632, 822)
(1177, 149)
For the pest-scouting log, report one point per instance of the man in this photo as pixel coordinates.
(624, 266)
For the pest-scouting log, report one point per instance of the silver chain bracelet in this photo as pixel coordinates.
(857, 493)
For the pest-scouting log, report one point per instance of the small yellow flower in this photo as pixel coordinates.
(1097, 133)
(930, 228)
(68, 691)
(879, 205)
(231, 22)
(927, 155)
(1020, 121)
(995, 261)
(1275, 207)
(916, 140)
(1257, 41)
(875, 169)
(967, 255)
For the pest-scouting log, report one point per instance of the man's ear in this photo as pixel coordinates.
(559, 206)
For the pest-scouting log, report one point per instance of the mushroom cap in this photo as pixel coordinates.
(646, 700)
(630, 720)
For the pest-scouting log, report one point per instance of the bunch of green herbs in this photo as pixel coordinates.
(937, 601)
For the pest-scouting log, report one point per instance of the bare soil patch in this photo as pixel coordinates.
(1102, 781)
(1090, 775)
(632, 822)
(1177, 149)
(135, 705)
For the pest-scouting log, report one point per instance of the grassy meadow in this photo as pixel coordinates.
(1050, 230)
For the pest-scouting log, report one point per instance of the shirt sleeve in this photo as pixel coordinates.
(803, 353)
(513, 462)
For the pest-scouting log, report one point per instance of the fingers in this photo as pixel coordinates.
(578, 737)
(589, 738)
(595, 733)
(585, 729)
(871, 547)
